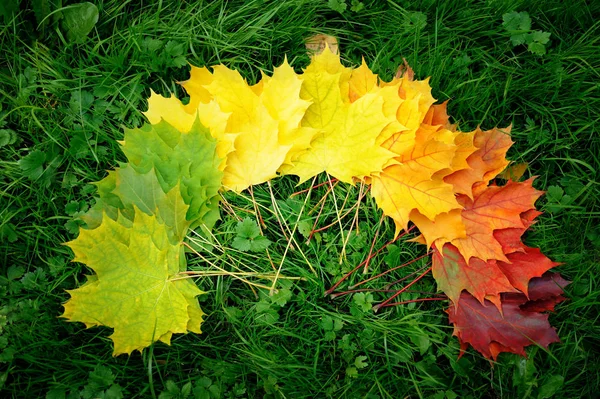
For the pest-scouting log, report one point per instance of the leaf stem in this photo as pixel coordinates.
(387, 301)
(340, 281)
(389, 271)
(366, 268)
(312, 187)
(412, 301)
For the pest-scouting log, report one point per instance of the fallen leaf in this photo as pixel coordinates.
(135, 289)
(400, 189)
(345, 145)
(493, 208)
(514, 171)
(125, 188)
(483, 280)
(485, 163)
(491, 332)
(185, 159)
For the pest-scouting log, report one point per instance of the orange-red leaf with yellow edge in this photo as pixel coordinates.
(485, 163)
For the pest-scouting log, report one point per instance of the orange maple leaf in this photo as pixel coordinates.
(410, 185)
(493, 208)
(485, 163)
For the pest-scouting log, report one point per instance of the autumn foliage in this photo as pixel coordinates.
(355, 127)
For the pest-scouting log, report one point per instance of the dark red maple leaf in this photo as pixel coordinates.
(520, 324)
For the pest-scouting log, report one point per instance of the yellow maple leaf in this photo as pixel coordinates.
(266, 119)
(257, 155)
(171, 110)
(345, 145)
(195, 86)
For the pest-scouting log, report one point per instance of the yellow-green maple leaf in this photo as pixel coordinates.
(136, 290)
(185, 159)
(125, 188)
(182, 117)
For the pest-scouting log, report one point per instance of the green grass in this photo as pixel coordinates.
(68, 103)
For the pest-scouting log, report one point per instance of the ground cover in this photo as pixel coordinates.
(64, 106)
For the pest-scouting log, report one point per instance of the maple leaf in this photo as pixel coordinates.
(437, 115)
(445, 227)
(483, 280)
(545, 292)
(518, 325)
(417, 89)
(514, 171)
(182, 117)
(361, 82)
(464, 149)
(510, 239)
(493, 208)
(487, 280)
(171, 110)
(345, 145)
(262, 122)
(195, 86)
(125, 188)
(525, 264)
(134, 290)
(267, 124)
(409, 185)
(485, 163)
(186, 159)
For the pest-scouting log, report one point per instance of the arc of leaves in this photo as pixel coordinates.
(334, 119)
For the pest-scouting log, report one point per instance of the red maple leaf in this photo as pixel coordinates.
(488, 279)
(483, 280)
(520, 323)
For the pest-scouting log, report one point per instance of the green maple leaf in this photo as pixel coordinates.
(135, 289)
(125, 187)
(188, 159)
